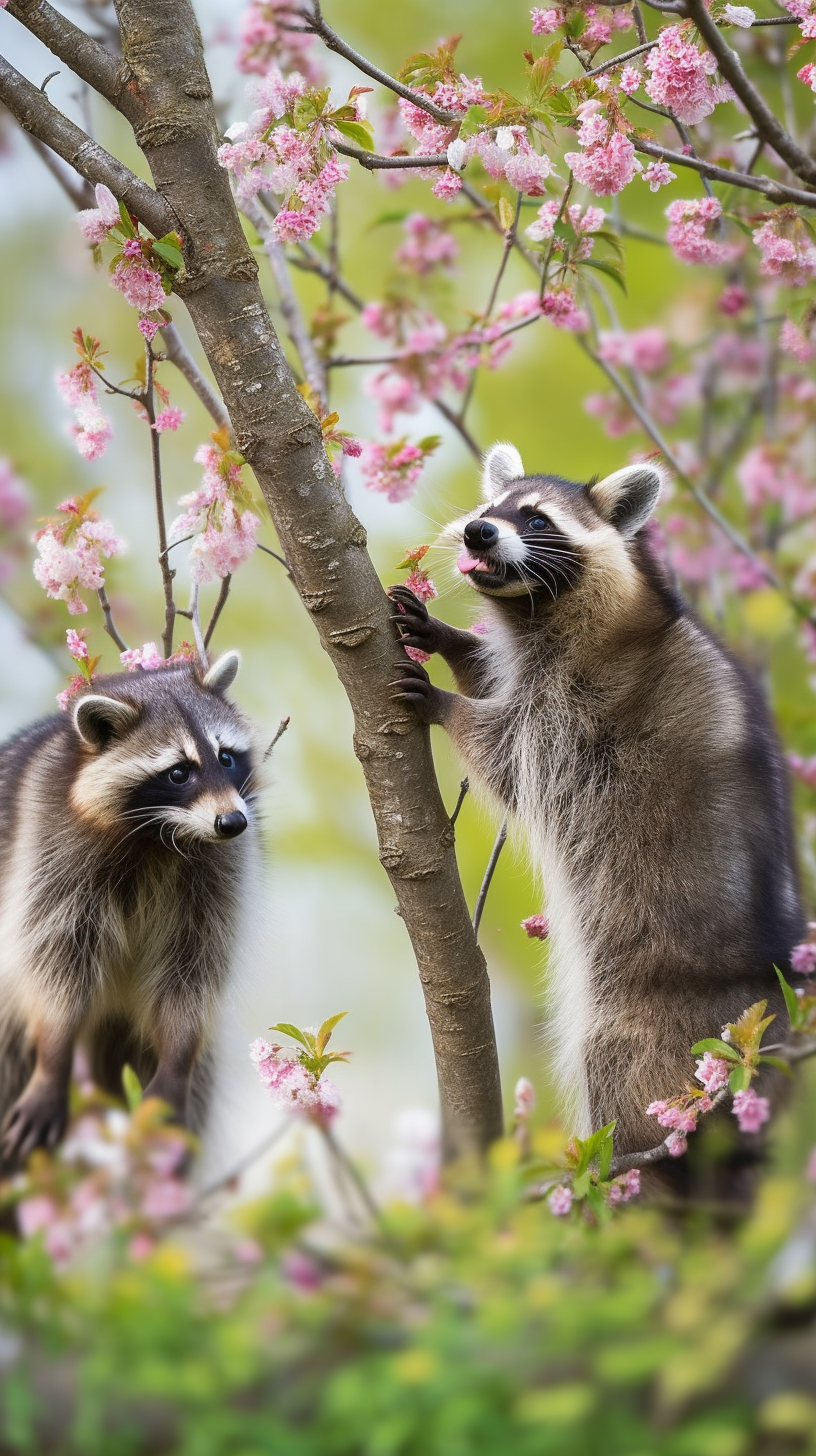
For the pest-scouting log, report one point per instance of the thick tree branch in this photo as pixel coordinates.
(774, 191)
(36, 115)
(767, 125)
(81, 53)
(325, 550)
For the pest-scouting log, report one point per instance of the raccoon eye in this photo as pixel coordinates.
(226, 759)
(537, 523)
(179, 774)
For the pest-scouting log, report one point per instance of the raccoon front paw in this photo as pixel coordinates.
(37, 1120)
(414, 626)
(415, 688)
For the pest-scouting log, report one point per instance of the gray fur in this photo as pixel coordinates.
(639, 762)
(120, 897)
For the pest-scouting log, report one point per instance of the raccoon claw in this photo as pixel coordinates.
(416, 689)
(404, 597)
(37, 1120)
(415, 628)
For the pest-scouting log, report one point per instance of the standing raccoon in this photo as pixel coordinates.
(128, 834)
(639, 760)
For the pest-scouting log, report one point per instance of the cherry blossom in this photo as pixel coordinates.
(267, 40)
(713, 1072)
(536, 926)
(658, 174)
(606, 167)
(168, 419)
(560, 1200)
(794, 342)
(92, 431)
(645, 350)
(803, 958)
(681, 76)
(428, 244)
(545, 21)
(750, 1110)
(676, 1145)
(524, 1098)
(218, 514)
(623, 1188)
(394, 470)
(787, 250)
(96, 222)
(148, 658)
(70, 553)
(15, 498)
(692, 231)
(292, 1086)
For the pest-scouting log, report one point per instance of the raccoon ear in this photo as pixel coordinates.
(502, 463)
(223, 672)
(97, 720)
(627, 497)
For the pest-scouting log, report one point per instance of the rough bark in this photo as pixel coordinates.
(166, 97)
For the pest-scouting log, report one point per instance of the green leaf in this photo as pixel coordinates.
(132, 1088)
(740, 1079)
(286, 1028)
(473, 121)
(715, 1044)
(326, 1029)
(127, 226)
(170, 254)
(358, 132)
(605, 1159)
(608, 268)
(581, 1185)
(778, 1062)
(791, 1001)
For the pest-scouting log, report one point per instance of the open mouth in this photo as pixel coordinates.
(475, 566)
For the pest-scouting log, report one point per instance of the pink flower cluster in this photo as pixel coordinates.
(524, 1099)
(536, 926)
(608, 162)
(292, 1086)
(218, 515)
(658, 174)
(623, 1188)
(15, 500)
(560, 1200)
(681, 77)
(584, 223)
(795, 343)
(546, 21)
(769, 475)
(268, 153)
(428, 244)
(148, 658)
(70, 554)
(713, 1072)
(803, 957)
(645, 350)
(692, 234)
(507, 153)
(139, 285)
(787, 249)
(392, 470)
(750, 1110)
(267, 41)
(560, 307)
(92, 431)
(115, 1175)
(96, 222)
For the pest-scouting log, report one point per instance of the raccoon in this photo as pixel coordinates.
(638, 758)
(128, 831)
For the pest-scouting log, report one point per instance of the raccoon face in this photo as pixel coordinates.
(539, 535)
(164, 757)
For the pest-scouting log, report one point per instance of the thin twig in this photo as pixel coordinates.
(316, 25)
(774, 191)
(167, 573)
(178, 354)
(314, 367)
(551, 249)
(488, 875)
(218, 609)
(267, 550)
(282, 727)
(373, 162)
(463, 788)
(110, 625)
(613, 61)
(194, 615)
(356, 1178)
(239, 1168)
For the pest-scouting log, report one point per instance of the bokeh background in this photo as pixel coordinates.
(333, 940)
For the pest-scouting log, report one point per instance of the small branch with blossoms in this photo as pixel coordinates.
(726, 1068)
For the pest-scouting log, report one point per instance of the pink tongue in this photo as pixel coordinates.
(468, 563)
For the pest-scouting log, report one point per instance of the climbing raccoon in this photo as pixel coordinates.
(638, 759)
(128, 838)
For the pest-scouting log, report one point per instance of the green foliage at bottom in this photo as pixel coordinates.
(475, 1325)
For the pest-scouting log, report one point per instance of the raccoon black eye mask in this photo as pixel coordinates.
(131, 836)
(639, 763)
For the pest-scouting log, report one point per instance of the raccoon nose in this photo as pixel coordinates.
(480, 534)
(229, 825)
